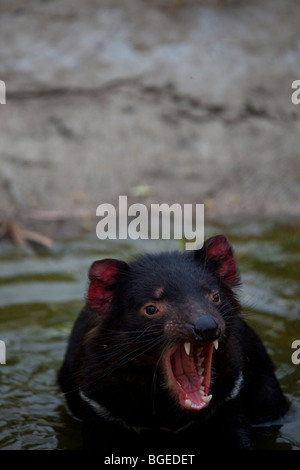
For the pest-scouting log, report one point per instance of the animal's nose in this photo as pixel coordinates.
(206, 329)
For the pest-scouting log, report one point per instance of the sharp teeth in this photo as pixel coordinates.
(187, 347)
(207, 399)
(188, 403)
(216, 344)
(200, 360)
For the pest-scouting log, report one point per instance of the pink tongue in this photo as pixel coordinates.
(184, 370)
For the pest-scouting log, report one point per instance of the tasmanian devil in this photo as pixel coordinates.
(160, 356)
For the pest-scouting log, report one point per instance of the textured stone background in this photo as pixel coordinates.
(185, 102)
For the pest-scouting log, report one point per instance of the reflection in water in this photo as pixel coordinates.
(41, 295)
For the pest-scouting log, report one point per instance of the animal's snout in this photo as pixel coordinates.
(206, 329)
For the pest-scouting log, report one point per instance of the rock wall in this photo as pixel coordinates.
(165, 101)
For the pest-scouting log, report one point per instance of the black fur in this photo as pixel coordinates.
(116, 350)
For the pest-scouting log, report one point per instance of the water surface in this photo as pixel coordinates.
(41, 294)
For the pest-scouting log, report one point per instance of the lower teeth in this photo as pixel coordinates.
(207, 398)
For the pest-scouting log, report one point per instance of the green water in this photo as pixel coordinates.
(41, 293)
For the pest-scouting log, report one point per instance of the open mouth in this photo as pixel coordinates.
(189, 371)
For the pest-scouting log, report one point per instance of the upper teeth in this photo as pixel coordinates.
(187, 347)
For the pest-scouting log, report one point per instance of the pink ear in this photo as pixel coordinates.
(102, 275)
(219, 250)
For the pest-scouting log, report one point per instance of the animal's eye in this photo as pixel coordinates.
(215, 297)
(150, 310)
